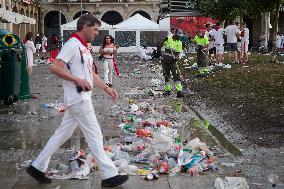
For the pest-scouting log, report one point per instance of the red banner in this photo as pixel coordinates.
(190, 24)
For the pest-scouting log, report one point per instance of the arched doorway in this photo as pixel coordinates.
(112, 17)
(142, 13)
(51, 24)
(28, 28)
(78, 14)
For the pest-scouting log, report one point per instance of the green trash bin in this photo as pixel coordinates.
(12, 58)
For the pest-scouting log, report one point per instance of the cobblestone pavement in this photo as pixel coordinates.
(26, 127)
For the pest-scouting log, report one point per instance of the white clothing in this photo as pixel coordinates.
(218, 36)
(108, 69)
(143, 53)
(108, 50)
(211, 43)
(231, 32)
(44, 43)
(219, 48)
(278, 41)
(245, 38)
(263, 41)
(30, 48)
(282, 41)
(70, 53)
(244, 47)
(81, 113)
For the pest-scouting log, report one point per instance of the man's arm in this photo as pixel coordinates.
(58, 69)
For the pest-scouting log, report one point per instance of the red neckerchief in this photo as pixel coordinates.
(217, 28)
(24, 41)
(243, 33)
(75, 35)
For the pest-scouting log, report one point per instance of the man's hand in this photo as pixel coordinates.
(84, 84)
(111, 92)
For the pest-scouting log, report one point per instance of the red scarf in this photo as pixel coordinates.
(24, 41)
(243, 33)
(217, 28)
(75, 35)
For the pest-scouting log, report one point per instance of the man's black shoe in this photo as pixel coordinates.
(114, 181)
(38, 175)
(179, 94)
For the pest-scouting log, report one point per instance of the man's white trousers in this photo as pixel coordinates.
(81, 114)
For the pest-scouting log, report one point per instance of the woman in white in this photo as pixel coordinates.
(107, 50)
(30, 49)
(44, 43)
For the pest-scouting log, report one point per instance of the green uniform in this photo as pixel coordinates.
(201, 42)
(172, 49)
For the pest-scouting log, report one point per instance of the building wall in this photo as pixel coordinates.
(99, 9)
(27, 10)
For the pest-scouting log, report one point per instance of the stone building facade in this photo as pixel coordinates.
(109, 11)
(27, 9)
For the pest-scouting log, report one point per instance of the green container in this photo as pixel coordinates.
(12, 67)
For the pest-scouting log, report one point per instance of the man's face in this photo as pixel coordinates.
(91, 32)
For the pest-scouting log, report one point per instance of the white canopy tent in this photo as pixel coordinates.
(70, 27)
(8, 16)
(73, 26)
(130, 30)
(165, 23)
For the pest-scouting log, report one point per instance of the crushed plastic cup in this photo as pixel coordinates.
(273, 179)
(184, 157)
(178, 107)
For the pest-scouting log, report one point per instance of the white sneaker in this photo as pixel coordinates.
(227, 66)
(219, 64)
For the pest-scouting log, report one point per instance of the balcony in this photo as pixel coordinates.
(97, 1)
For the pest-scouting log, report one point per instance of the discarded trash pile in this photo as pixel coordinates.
(157, 148)
(56, 106)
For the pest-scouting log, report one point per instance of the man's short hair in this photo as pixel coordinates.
(88, 19)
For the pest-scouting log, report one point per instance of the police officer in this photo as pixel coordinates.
(173, 47)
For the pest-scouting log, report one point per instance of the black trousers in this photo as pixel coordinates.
(170, 66)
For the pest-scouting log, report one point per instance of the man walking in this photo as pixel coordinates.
(74, 64)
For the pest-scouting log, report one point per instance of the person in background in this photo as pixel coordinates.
(232, 32)
(244, 43)
(30, 49)
(44, 43)
(278, 42)
(202, 42)
(38, 43)
(217, 35)
(107, 50)
(239, 44)
(211, 47)
(263, 42)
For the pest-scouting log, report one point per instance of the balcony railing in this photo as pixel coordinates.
(97, 1)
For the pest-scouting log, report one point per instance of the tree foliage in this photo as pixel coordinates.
(229, 9)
